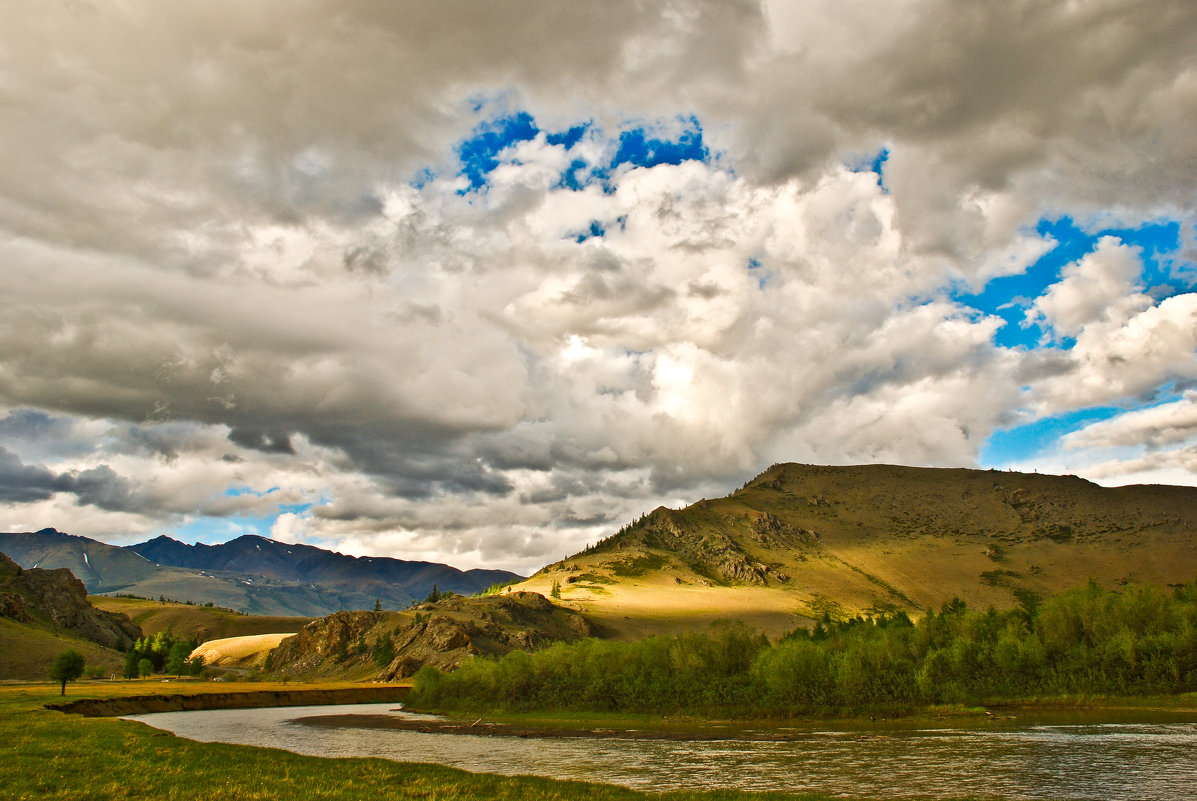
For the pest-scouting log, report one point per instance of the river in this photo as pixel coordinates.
(1153, 758)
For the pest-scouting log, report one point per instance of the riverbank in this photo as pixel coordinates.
(249, 699)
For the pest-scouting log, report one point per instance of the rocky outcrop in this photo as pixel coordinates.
(711, 552)
(56, 600)
(442, 634)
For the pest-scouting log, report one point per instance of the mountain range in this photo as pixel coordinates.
(250, 573)
(793, 544)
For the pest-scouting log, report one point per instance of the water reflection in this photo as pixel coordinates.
(1113, 760)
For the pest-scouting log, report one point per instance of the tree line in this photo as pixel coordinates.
(1138, 640)
(162, 653)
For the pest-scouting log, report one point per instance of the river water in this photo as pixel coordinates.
(1077, 758)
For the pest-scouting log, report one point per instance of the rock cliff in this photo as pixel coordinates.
(56, 600)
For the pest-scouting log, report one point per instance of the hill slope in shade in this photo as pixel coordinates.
(801, 541)
(44, 612)
(192, 621)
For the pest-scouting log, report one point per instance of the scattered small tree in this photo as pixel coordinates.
(377, 604)
(145, 667)
(556, 590)
(433, 596)
(68, 666)
(384, 651)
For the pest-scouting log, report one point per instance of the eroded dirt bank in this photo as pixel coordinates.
(180, 702)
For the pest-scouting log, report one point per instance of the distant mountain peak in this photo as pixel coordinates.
(163, 538)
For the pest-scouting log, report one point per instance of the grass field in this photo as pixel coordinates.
(49, 755)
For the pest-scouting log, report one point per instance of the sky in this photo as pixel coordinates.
(479, 283)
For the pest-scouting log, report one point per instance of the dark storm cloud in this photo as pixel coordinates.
(22, 483)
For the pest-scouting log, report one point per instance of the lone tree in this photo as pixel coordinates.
(68, 666)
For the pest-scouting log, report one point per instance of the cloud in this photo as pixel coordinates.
(475, 282)
(1125, 359)
(1100, 289)
(1153, 428)
(20, 483)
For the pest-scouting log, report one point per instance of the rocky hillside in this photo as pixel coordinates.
(54, 600)
(349, 644)
(800, 541)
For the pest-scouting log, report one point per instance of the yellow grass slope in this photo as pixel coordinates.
(239, 652)
(801, 541)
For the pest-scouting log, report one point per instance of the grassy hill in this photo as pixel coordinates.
(27, 651)
(801, 541)
(200, 622)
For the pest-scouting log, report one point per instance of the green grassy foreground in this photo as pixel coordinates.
(49, 755)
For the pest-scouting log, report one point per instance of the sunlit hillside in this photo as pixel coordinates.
(799, 541)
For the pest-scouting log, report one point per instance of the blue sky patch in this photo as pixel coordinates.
(479, 154)
(639, 148)
(874, 163)
(212, 530)
(234, 492)
(636, 146)
(1010, 446)
(568, 139)
(596, 229)
(1009, 297)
